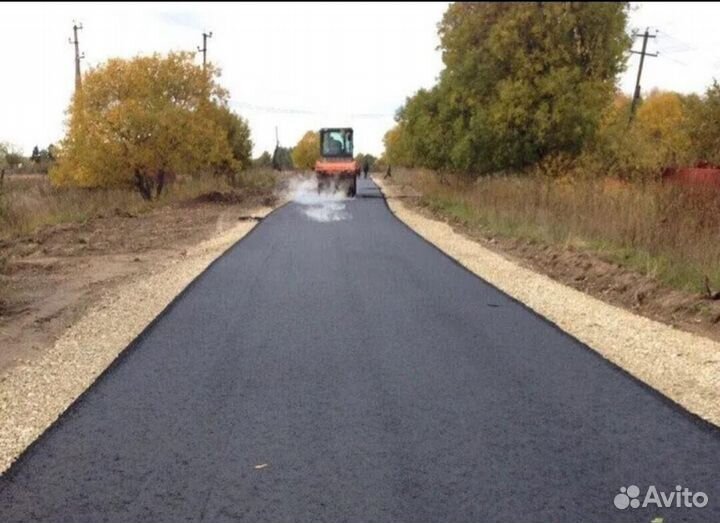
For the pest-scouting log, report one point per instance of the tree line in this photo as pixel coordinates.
(12, 159)
(141, 122)
(530, 84)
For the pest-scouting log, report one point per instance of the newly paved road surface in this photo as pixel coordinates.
(348, 371)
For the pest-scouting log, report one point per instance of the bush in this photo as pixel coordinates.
(143, 121)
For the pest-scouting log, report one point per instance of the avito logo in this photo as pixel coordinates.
(629, 497)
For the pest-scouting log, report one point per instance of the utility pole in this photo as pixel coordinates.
(275, 161)
(643, 54)
(203, 50)
(74, 41)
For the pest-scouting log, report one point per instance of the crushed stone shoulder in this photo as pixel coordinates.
(34, 394)
(682, 366)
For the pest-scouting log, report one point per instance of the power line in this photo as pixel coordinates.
(690, 47)
(268, 109)
(286, 110)
(679, 62)
(684, 46)
(669, 45)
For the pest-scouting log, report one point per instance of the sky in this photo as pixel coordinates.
(293, 66)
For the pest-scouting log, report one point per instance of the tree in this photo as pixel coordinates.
(10, 158)
(522, 80)
(4, 148)
(425, 122)
(3, 161)
(43, 156)
(396, 150)
(361, 158)
(237, 132)
(617, 149)
(662, 121)
(142, 121)
(307, 151)
(282, 158)
(13, 158)
(264, 160)
(704, 124)
(657, 138)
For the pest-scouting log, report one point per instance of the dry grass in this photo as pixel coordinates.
(666, 232)
(28, 202)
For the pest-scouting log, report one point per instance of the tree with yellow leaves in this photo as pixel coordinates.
(141, 121)
(661, 120)
(657, 138)
(307, 151)
(237, 131)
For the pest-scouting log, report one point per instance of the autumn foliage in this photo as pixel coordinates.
(307, 151)
(522, 80)
(142, 121)
(531, 87)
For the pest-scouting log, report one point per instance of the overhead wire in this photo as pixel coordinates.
(287, 110)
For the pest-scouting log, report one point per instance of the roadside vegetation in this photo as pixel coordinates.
(30, 202)
(141, 133)
(663, 231)
(526, 135)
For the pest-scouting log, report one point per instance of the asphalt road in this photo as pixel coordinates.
(348, 371)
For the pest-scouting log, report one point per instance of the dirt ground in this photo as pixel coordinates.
(50, 278)
(588, 272)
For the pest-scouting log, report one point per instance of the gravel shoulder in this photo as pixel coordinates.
(38, 385)
(682, 366)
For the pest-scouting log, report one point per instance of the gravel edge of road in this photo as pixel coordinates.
(34, 395)
(683, 367)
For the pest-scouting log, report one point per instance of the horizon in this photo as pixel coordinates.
(288, 84)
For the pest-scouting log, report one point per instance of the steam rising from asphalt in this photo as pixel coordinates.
(327, 206)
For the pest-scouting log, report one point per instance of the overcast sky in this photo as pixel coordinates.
(295, 66)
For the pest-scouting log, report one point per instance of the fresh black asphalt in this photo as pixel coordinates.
(349, 371)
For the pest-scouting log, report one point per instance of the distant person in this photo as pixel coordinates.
(388, 174)
(366, 167)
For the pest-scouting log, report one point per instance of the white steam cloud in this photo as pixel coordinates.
(325, 206)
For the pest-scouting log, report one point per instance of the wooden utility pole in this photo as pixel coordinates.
(643, 54)
(275, 161)
(74, 41)
(203, 50)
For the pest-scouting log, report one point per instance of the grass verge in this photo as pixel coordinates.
(29, 202)
(668, 233)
